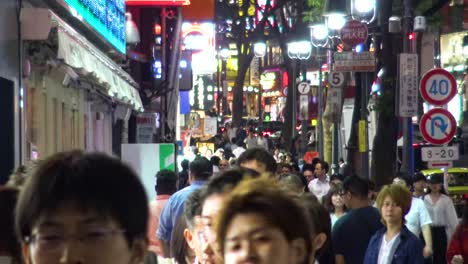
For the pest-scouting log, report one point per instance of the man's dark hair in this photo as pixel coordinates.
(201, 168)
(193, 207)
(91, 181)
(315, 161)
(308, 167)
(356, 186)
(324, 165)
(185, 164)
(215, 160)
(260, 155)
(227, 181)
(166, 182)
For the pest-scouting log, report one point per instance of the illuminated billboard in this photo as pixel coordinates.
(107, 17)
(159, 2)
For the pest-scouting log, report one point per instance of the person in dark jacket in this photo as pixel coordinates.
(394, 243)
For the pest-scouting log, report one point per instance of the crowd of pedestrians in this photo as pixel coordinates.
(77, 207)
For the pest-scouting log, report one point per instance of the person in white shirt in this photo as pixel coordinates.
(417, 218)
(320, 185)
(262, 142)
(443, 215)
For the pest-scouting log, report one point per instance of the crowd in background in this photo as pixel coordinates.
(77, 207)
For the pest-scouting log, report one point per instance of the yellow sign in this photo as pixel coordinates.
(362, 136)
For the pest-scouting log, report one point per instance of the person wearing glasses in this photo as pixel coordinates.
(83, 208)
(394, 243)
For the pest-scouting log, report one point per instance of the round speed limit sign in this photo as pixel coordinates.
(336, 79)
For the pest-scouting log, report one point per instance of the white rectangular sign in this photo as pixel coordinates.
(210, 126)
(408, 76)
(304, 106)
(444, 153)
(354, 61)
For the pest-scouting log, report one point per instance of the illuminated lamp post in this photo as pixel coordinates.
(366, 12)
(298, 50)
(319, 38)
(335, 14)
(259, 52)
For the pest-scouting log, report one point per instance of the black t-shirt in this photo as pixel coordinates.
(352, 232)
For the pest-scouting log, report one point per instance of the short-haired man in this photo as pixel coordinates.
(308, 170)
(200, 171)
(419, 183)
(417, 218)
(257, 159)
(320, 185)
(213, 198)
(352, 232)
(166, 185)
(192, 216)
(83, 208)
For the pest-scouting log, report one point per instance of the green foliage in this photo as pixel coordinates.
(314, 10)
(432, 21)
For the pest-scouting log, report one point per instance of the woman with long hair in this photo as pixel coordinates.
(457, 252)
(443, 215)
(334, 203)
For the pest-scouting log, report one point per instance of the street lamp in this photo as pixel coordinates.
(297, 50)
(260, 49)
(335, 14)
(319, 38)
(363, 9)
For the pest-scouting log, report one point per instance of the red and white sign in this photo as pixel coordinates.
(438, 126)
(354, 32)
(438, 87)
(439, 164)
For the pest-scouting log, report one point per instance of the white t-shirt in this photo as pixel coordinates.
(442, 213)
(385, 248)
(417, 216)
(319, 188)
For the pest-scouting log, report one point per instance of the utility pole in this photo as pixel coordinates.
(407, 165)
(319, 131)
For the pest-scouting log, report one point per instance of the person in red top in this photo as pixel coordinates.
(457, 252)
(166, 185)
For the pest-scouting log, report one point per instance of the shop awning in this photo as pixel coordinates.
(81, 55)
(86, 60)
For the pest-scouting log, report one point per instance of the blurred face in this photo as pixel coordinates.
(435, 187)
(419, 186)
(71, 235)
(319, 172)
(285, 170)
(252, 239)
(193, 240)
(391, 212)
(210, 210)
(399, 181)
(337, 201)
(309, 175)
(223, 165)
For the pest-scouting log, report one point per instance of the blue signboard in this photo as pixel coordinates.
(106, 16)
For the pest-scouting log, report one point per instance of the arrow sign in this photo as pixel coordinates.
(438, 126)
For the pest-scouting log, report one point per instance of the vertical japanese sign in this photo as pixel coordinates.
(408, 83)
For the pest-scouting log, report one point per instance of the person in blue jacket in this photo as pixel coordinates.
(394, 243)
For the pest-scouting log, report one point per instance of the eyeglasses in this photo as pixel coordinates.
(55, 242)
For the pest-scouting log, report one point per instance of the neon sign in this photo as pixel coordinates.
(106, 17)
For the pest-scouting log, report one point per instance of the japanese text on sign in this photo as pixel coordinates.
(408, 96)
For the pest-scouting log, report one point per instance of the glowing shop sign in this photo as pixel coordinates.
(268, 80)
(107, 17)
